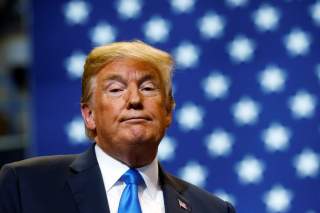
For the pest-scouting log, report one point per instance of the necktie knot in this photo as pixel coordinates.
(132, 176)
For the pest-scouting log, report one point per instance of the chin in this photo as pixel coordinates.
(137, 133)
(137, 138)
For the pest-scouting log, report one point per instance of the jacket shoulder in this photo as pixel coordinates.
(35, 180)
(41, 164)
(44, 160)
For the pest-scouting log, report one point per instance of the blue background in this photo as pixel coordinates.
(56, 94)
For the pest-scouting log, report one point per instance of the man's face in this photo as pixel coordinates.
(128, 108)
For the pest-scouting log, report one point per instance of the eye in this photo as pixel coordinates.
(114, 90)
(148, 88)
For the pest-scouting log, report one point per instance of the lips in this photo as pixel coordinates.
(135, 118)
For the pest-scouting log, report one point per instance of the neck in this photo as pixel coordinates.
(134, 156)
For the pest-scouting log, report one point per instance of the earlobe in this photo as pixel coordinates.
(88, 116)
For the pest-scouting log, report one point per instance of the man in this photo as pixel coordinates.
(126, 105)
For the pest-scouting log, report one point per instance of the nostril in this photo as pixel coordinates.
(135, 99)
(135, 105)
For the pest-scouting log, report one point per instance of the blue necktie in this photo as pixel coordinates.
(129, 201)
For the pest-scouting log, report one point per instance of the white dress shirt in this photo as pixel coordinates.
(150, 194)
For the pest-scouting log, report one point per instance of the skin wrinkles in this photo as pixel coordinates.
(128, 111)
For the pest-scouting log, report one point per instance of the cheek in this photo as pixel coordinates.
(106, 112)
(160, 112)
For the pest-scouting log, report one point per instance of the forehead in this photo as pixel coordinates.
(128, 68)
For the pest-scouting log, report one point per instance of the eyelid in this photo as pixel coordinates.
(148, 84)
(114, 83)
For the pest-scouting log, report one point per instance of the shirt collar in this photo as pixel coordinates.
(112, 170)
(150, 175)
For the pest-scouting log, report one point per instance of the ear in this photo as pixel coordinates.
(88, 116)
(169, 110)
(168, 118)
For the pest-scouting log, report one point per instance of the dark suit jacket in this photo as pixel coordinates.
(73, 184)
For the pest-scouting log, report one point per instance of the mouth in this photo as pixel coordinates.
(135, 119)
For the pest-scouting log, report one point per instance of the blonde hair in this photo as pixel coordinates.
(99, 57)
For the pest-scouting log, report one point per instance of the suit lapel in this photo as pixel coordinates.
(87, 187)
(86, 184)
(174, 200)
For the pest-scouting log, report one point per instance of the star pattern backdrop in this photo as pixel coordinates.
(247, 78)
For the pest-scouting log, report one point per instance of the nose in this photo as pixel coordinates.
(134, 99)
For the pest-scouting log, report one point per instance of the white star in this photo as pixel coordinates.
(103, 33)
(190, 116)
(194, 173)
(276, 137)
(76, 131)
(128, 9)
(241, 49)
(307, 163)
(225, 196)
(182, 6)
(272, 79)
(266, 18)
(278, 199)
(302, 104)
(166, 150)
(186, 55)
(211, 25)
(219, 143)
(315, 12)
(74, 64)
(318, 71)
(76, 12)
(245, 111)
(250, 170)
(297, 42)
(157, 29)
(216, 85)
(236, 3)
